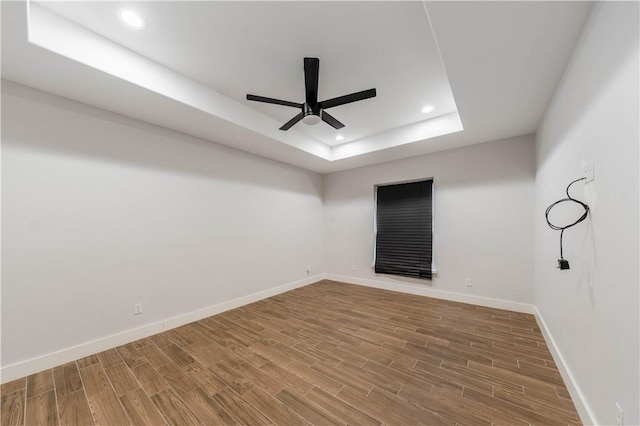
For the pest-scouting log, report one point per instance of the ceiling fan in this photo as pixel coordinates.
(312, 111)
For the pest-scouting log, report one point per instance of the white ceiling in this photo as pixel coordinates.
(248, 47)
(192, 66)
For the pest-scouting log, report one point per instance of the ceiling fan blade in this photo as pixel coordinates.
(331, 121)
(294, 120)
(272, 101)
(346, 99)
(311, 71)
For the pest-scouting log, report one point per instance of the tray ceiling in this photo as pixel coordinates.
(191, 66)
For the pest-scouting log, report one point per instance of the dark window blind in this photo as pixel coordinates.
(404, 236)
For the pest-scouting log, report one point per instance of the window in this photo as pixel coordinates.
(404, 229)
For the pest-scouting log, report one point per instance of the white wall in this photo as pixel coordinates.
(483, 223)
(591, 310)
(100, 212)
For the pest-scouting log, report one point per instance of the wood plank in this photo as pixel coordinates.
(344, 355)
(204, 377)
(272, 408)
(173, 409)
(122, 379)
(291, 380)
(67, 379)
(296, 355)
(459, 354)
(374, 337)
(563, 392)
(315, 377)
(311, 412)
(188, 334)
(504, 377)
(485, 376)
(471, 407)
(393, 386)
(87, 361)
(109, 358)
(152, 382)
(318, 354)
(14, 386)
(270, 354)
(446, 407)
(234, 379)
(140, 409)
(384, 356)
(553, 411)
(160, 340)
(346, 412)
(217, 332)
(213, 354)
(154, 356)
(382, 409)
(456, 377)
(355, 383)
(246, 414)
(95, 380)
(514, 410)
(130, 355)
(422, 415)
(12, 408)
(203, 408)
(177, 355)
(39, 383)
(177, 379)
(427, 354)
(544, 374)
(483, 355)
(245, 355)
(142, 343)
(404, 335)
(41, 409)
(107, 409)
(260, 378)
(74, 409)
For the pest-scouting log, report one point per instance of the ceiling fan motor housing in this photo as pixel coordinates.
(311, 115)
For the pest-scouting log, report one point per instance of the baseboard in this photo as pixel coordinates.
(437, 294)
(34, 365)
(584, 411)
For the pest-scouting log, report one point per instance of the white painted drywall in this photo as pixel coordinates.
(100, 212)
(591, 310)
(483, 223)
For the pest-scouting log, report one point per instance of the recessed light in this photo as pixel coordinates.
(132, 18)
(428, 108)
(339, 138)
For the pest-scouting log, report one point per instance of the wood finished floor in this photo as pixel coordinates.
(328, 353)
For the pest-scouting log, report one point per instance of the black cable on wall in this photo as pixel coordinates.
(562, 262)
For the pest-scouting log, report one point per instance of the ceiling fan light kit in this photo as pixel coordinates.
(312, 111)
(311, 119)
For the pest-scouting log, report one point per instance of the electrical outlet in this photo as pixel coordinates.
(468, 282)
(353, 267)
(589, 172)
(619, 415)
(308, 269)
(137, 309)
